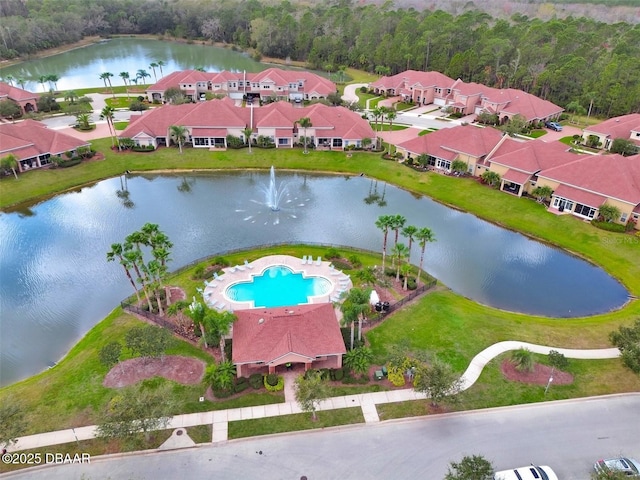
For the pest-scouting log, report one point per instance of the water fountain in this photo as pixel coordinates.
(273, 194)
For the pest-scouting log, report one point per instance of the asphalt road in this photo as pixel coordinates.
(568, 435)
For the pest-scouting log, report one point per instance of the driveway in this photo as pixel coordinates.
(349, 94)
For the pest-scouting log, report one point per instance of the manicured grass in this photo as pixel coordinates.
(441, 322)
(401, 106)
(425, 132)
(386, 127)
(120, 102)
(537, 133)
(294, 422)
(120, 125)
(342, 390)
(200, 433)
(363, 97)
(591, 377)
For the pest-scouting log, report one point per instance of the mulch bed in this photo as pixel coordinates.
(539, 375)
(185, 370)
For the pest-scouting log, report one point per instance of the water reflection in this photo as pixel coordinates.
(55, 282)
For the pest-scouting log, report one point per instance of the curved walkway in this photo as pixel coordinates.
(349, 94)
(220, 419)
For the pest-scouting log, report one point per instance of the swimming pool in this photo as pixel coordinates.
(278, 286)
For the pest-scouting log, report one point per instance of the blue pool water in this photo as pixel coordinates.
(278, 286)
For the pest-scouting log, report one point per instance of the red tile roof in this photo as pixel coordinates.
(612, 176)
(15, 93)
(336, 122)
(447, 143)
(414, 78)
(266, 334)
(30, 138)
(579, 196)
(516, 176)
(617, 127)
(531, 156)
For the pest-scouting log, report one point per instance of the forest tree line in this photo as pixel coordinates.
(577, 60)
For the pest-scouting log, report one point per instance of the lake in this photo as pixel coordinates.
(56, 283)
(81, 68)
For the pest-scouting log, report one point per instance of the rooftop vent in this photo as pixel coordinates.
(261, 321)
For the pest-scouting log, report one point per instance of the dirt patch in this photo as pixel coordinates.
(176, 294)
(185, 370)
(539, 376)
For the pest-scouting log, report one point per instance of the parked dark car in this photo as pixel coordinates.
(553, 126)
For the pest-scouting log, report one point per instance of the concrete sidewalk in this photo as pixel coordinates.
(219, 419)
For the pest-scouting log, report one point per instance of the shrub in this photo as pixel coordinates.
(256, 381)
(610, 227)
(341, 265)
(271, 379)
(627, 339)
(241, 384)
(355, 261)
(198, 272)
(523, 360)
(411, 284)
(325, 374)
(235, 142)
(138, 106)
(274, 388)
(332, 253)
(363, 89)
(143, 148)
(338, 374)
(69, 163)
(396, 376)
(221, 261)
(219, 393)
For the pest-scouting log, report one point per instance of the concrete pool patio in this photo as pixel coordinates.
(214, 292)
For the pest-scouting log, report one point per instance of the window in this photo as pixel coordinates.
(283, 141)
(585, 210)
(623, 217)
(337, 142)
(199, 141)
(562, 204)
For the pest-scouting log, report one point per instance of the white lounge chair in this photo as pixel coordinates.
(217, 277)
(199, 290)
(213, 304)
(220, 306)
(319, 261)
(247, 264)
(232, 269)
(304, 259)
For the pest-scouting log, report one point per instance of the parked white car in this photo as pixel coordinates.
(532, 472)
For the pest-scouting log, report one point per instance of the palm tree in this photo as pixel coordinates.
(384, 111)
(409, 232)
(21, 81)
(218, 325)
(423, 235)
(391, 116)
(305, 123)
(397, 223)
(399, 252)
(42, 79)
(354, 308)
(142, 74)
(107, 114)
(157, 272)
(117, 251)
(53, 78)
(153, 66)
(106, 78)
(247, 136)
(377, 113)
(384, 223)
(161, 64)
(9, 79)
(10, 162)
(178, 133)
(125, 77)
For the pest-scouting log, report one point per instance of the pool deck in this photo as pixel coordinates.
(214, 292)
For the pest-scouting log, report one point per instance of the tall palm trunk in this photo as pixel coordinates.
(144, 286)
(420, 269)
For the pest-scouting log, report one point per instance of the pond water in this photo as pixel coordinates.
(55, 282)
(81, 68)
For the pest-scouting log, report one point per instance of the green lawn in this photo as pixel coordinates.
(294, 422)
(363, 97)
(386, 127)
(120, 102)
(120, 125)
